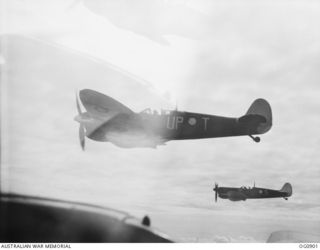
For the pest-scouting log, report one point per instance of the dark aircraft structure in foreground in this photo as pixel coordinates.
(34, 219)
(107, 120)
(243, 193)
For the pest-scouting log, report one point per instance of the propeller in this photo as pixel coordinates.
(82, 136)
(216, 192)
(81, 128)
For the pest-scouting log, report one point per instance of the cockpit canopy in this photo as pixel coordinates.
(149, 111)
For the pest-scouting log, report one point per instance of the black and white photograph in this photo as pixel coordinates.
(160, 121)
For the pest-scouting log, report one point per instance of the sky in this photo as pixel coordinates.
(212, 57)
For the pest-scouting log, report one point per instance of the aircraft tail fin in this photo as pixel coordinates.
(287, 188)
(259, 113)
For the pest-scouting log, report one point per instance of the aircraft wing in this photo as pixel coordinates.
(35, 219)
(101, 105)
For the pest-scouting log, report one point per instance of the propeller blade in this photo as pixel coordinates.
(78, 104)
(82, 136)
(216, 192)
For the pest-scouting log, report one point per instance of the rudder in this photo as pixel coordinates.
(261, 107)
(287, 188)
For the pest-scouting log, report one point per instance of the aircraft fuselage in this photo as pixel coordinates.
(150, 130)
(237, 194)
(109, 120)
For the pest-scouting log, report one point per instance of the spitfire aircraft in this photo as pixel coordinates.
(108, 120)
(243, 193)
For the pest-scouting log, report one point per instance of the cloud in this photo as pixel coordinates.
(154, 19)
(225, 239)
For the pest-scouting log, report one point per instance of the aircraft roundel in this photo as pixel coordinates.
(192, 121)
